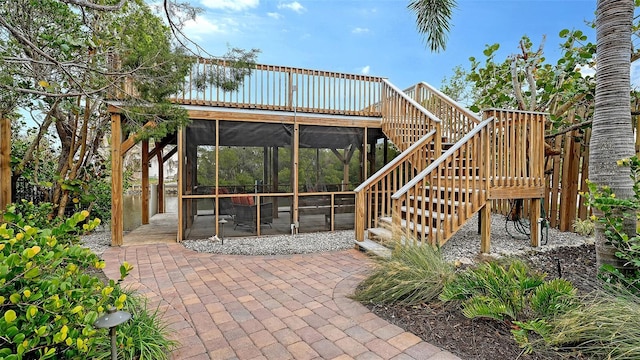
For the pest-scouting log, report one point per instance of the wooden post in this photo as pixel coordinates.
(274, 179)
(117, 208)
(5, 162)
(160, 182)
(569, 194)
(294, 173)
(145, 182)
(534, 216)
(180, 235)
(217, 180)
(485, 215)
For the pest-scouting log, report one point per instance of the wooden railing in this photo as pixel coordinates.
(457, 120)
(500, 158)
(517, 154)
(442, 197)
(373, 197)
(404, 120)
(272, 87)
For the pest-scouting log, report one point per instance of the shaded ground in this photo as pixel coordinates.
(446, 327)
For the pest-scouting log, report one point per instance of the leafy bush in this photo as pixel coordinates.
(48, 303)
(412, 275)
(617, 215)
(493, 290)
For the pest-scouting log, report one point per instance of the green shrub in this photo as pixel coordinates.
(412, 275)
(493, 290)
(584, 227)
(48, 303)
(143, 337)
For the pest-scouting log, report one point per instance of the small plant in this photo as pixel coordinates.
(584, 227)
(412, 275)
(144, 337)
(606, 327)
(493, 290)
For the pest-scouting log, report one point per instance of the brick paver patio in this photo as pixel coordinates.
(265, 307)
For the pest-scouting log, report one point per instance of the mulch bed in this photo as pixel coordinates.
(446, 327)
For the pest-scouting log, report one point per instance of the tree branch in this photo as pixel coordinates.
(89, 5)
(569, 129)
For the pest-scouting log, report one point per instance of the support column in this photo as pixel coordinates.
(274, 180)
(160, 182)
(117, 209)
(5, 162)
(534, 215)
(294, 172)
(145, 182)
(485, 216)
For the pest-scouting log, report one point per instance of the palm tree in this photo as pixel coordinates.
(433, 19)
(612, 136)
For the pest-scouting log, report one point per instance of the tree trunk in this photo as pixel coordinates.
(612, 135)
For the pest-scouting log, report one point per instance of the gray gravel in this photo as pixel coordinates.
(464, 246)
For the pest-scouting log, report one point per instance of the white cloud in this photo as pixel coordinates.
(202, 25)
(294, 6)
(359, 30)
(365, 70)
(233, 5)
(274, 15)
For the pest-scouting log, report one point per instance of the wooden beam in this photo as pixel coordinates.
(145, 182)
(485, 216)
(5, 162)
(117, 211)
(131, 140)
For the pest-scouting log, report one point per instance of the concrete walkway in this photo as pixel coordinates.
(264, 307)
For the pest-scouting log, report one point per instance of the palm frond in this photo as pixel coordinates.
(433, 20)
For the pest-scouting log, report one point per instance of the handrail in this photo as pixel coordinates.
(395, 161)
(373, 196)
(271, 87)
(457, 120)
(440, 199)
(413, 182)
(500, 158)
(404, 120)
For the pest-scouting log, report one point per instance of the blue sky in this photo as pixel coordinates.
(379, 37)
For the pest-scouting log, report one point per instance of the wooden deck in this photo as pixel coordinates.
(162, 228)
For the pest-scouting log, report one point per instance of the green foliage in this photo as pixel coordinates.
(584, 227)
(144, 337)
(48, 303)
(238, 65)
(412, 275)
(553, 297)
(525, 81)
(615, 215)
(493, 290)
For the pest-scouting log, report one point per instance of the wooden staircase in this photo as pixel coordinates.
(452, 164)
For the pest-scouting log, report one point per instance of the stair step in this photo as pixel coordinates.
(440, 201)
(380, 234)
(373, 247)
(403, 223)
(430, 214)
